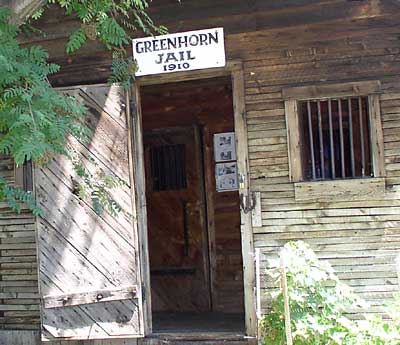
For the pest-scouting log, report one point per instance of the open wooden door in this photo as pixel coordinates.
(89, 269)
(178, 246)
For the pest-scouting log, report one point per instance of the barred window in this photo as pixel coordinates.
(335, 138)
(334, 131)
(168, 167)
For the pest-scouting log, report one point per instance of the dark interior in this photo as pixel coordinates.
(193, 230)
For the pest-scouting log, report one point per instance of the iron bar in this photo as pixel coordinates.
(360, 115)
(321, 140)
(341, 139)
(310, 131)
(353, 165)
(331, 139)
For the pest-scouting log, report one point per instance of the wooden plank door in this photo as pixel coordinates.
(178, 246)
(89, 272)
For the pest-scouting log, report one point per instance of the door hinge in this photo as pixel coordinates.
(247, 202)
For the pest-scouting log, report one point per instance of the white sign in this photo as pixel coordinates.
(226, 176)
(183, 51)
(224, 147)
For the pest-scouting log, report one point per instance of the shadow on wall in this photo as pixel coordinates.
(80, 251)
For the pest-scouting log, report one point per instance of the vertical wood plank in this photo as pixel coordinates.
(244, 189)
(376, 136)
(208, 181)
(18, 176)
(138, 170)
(202, 211)
(293, 138)
(256, 216)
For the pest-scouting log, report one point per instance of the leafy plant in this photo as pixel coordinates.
(113, 23)
(318, 303)
(317, 298)
(16, 196)
(96, 186)
(35, 120)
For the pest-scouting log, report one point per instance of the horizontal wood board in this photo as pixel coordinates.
(33, 338)
(19, 299)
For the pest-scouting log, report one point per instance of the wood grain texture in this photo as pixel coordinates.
(340, 190)
(360, 88)
(81, 252)
(282, 44)
(207, 104)
(19, 298)
(91, 297)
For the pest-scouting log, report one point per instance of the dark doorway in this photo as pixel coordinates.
(193, 230)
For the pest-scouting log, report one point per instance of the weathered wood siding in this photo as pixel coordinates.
(360, 238)
(288, 43)
(33, 338)
(19, 303)
(86, 257)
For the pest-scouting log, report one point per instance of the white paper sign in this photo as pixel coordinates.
(224, 147)
(183, 51)
(226, 176)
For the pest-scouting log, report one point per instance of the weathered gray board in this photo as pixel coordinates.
(88, 274)
(33, 338)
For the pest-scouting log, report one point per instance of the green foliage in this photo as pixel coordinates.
(96, 186)
(318, 302)
(76, 40)
(122, 70)
(378, 331)
(34, 119)
(16, 196)
(113, 23)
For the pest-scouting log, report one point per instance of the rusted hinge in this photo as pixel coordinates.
(247, 203)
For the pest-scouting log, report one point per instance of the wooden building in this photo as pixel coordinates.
(311, 90)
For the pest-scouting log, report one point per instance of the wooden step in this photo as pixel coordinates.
(190, 340)
(22, 337)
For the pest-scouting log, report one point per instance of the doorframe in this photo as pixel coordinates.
(234, 69)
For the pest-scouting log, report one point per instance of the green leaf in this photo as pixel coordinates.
(77, 39)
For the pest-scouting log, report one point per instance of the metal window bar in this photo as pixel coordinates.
(341, 139)
(361, 136)
(310, 131)
(352, 134)
(168, 168)
(321, 140)
(331, 139)
(353, 166)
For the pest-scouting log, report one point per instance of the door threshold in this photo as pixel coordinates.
(187, 335)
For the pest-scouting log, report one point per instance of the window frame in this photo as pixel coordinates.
(293, 95)
(23, 176)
